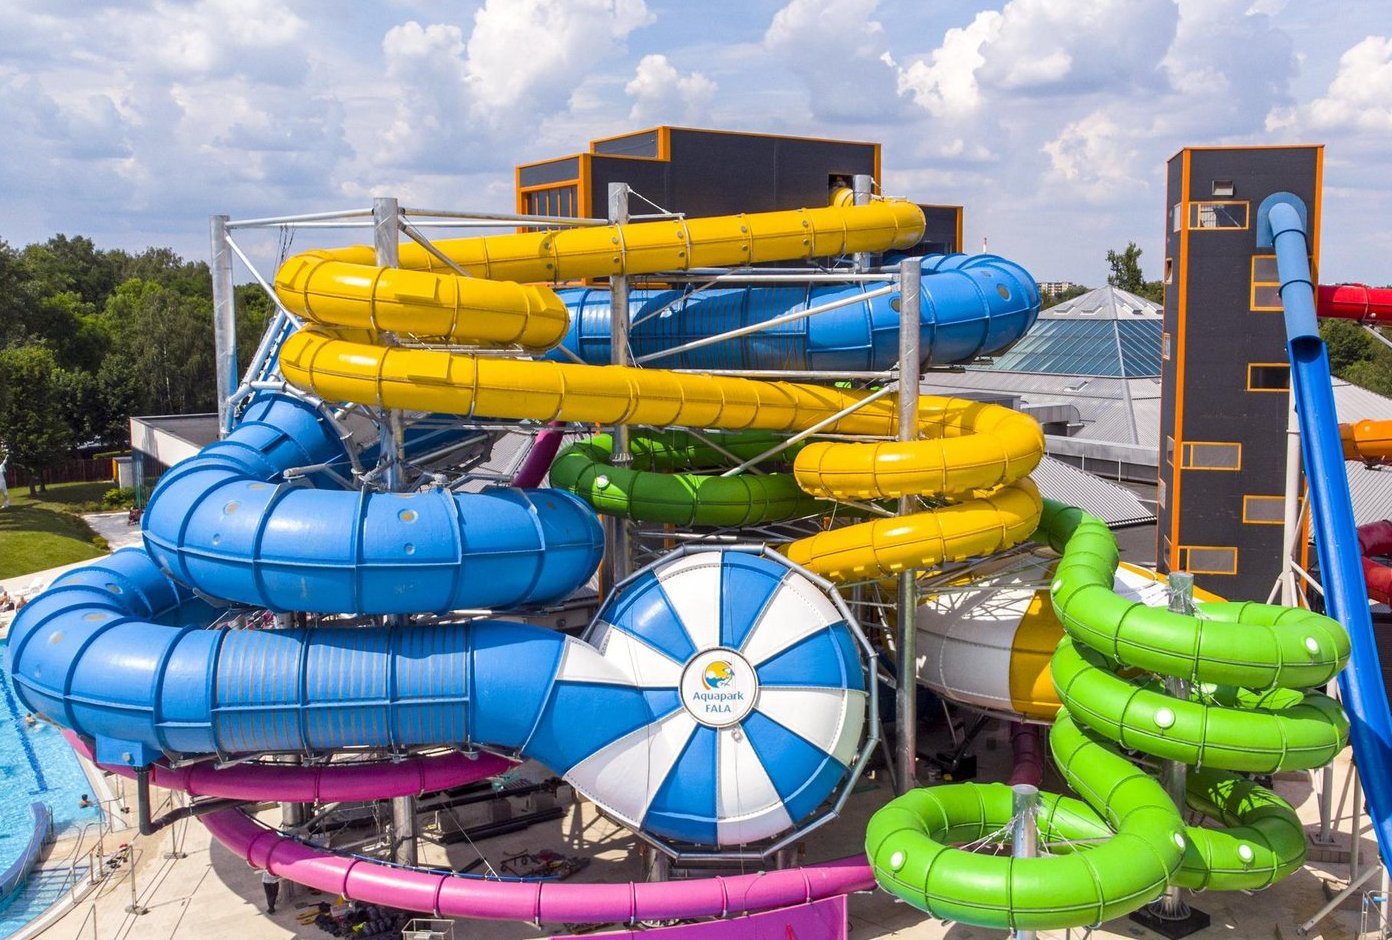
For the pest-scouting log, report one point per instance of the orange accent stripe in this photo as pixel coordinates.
(1181, 339)
(584, 205)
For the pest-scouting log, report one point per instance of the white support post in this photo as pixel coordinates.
(618, 552)
(386, 243)
(1174, 773)
(861, 185)
(1024, 834)
(224, 319)
(906, 698)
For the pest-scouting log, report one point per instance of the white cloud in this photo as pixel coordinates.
(1358, 99)
(129, 119)
(1078, 46)
(1095, 156)
(461, 99)
(528, 53)
(1230, 65)
(838, 50)
(663, 95)
(945, 83)
(1043, 47)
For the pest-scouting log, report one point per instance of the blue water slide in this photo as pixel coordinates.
(971, 305)
(1282, 223)
(109, 652)
(117, 652)
(226, 523)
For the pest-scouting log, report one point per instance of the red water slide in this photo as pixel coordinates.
(1370, 441)
(1355, 302)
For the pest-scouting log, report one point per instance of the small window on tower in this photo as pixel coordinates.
(1268, 376)
(1266, 284)
(1217, 215)
(1223, 188)
(1211, 455)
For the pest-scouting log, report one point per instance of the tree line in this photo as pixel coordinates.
(89, 337)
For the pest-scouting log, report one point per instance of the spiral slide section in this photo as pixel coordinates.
(1125, 842)
(1281, 219)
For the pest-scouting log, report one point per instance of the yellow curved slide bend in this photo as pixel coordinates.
(966, 447)
(1367, 440)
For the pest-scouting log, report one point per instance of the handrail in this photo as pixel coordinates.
(13, 878)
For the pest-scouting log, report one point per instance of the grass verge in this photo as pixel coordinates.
(44, 531)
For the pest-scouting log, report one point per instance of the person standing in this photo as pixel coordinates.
(271, 884)
(4, 487)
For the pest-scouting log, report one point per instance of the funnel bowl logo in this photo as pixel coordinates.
(719, 687)
(717, 675)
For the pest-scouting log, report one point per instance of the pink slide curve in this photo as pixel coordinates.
(447, 895)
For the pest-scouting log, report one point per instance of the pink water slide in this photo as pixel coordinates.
(448, 895)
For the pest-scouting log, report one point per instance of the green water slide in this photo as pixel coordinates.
(1251, 668)
(664, 482)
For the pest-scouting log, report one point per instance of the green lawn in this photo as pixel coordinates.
(41, 532)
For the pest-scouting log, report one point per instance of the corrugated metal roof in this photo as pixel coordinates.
(1370, 488)
(1101, 402)
(1113, 504)
(1355, 404)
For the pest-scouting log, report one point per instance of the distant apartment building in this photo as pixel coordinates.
(1056, 287)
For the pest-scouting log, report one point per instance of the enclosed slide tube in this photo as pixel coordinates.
(1374, 543)
(1281, 221)
(963, 315)
(98, 654)
(1355, 302)
(225, 523)
(1134, 841)
(1367, 440)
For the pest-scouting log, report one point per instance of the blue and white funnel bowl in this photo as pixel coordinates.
(758, 692)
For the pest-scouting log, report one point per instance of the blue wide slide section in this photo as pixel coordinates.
(1282, 218)
(106, 652)
(971, 305)
(223, 522)
(109, 651)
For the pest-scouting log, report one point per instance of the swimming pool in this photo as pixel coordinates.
(35, 764)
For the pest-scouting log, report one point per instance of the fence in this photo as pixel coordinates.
(73, 470)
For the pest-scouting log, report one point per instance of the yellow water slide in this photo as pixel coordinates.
(392, 338)
(1367, 440)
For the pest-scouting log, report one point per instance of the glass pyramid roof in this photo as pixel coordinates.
(1105, 332)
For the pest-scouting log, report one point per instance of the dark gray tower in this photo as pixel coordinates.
(1224, 373)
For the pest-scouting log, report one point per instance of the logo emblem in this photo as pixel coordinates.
(718, 674)
(718, 687)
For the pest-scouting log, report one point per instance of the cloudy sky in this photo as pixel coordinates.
(1050, 120)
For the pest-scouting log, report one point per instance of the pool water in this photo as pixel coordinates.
(36, 764)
